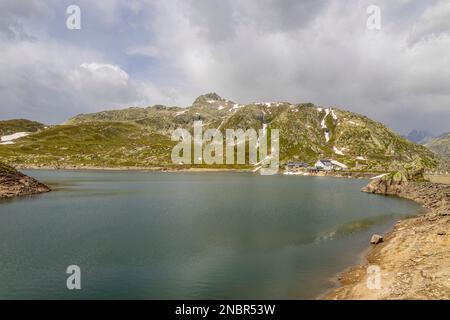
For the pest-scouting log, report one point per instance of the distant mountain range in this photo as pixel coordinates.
(420, 137)
(140, 137)
(440, 144)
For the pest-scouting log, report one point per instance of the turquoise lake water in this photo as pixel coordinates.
(151, 235)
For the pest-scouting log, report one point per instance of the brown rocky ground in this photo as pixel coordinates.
(14, 183)
(414, 258)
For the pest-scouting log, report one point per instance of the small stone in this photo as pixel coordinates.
(376, 238)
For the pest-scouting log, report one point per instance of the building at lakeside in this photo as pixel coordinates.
(324, 164)
(330, 165)
(296, 165)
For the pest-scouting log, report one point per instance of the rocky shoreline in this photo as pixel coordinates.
(414, 258)
(125, 168)
(14, 184)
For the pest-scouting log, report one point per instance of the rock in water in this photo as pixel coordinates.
(376, 239)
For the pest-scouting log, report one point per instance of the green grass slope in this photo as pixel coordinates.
(6, 169)
(97, 144)
(19, 125)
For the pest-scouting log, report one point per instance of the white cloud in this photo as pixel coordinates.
(99, 73)
(51, 82)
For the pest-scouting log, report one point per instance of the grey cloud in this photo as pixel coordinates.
(328, 58)
(221, 20)
(15, 15)
(315, 51)
(433, 22)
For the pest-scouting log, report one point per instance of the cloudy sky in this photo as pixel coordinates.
(169, 52)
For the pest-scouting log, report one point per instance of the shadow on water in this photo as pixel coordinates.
(359, 225)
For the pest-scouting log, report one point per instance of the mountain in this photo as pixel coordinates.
(440, 145)
(419, 137)
(141, 136)
(19, 125)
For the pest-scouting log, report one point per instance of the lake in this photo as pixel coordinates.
(152, 235)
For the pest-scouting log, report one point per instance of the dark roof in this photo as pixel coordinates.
(326, 162)
(295, 163)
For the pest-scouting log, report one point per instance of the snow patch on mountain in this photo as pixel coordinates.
(333, 115)
(235, 107)
(339, 164)
(180, 113)
(9, 139)
(338, 151)
(322, 123)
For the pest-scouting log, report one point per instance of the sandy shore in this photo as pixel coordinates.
(414, 258)
(438, 178)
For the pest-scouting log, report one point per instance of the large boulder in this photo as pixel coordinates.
(376, 239)
(414, 171)
(392, 183)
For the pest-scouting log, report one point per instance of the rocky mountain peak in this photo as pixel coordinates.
(209, 97)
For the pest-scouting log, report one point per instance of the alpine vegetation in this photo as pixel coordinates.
(208, 147)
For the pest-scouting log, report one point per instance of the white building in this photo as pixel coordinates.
(328, 165)
(324, 164)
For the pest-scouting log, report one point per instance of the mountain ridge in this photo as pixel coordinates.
(440, 144)
(16, 125)
(307, 133)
